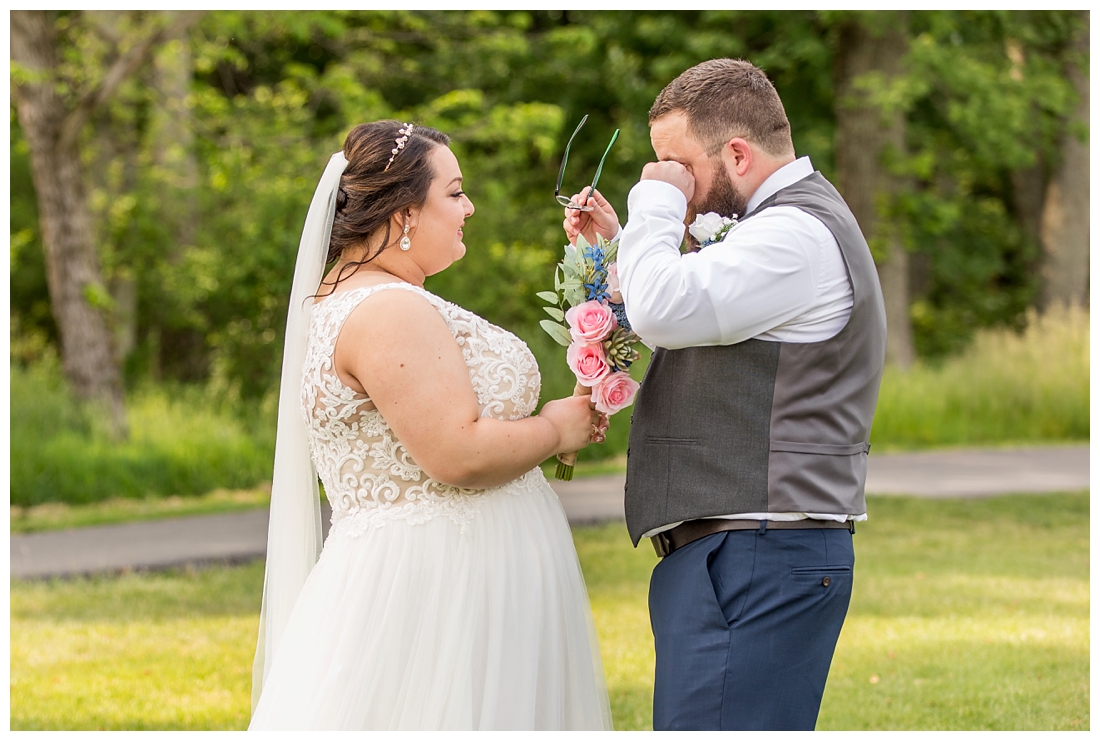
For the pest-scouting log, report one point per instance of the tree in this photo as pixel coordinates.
(870, 145)
(953, 134)
(1064, 228)
(53, 109)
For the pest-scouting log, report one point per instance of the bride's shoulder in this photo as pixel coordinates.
(396, 308)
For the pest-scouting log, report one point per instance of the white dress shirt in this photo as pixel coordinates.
(778, 276)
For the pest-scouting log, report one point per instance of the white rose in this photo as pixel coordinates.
(706, 226)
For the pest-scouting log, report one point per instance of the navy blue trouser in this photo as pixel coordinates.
(745, 623)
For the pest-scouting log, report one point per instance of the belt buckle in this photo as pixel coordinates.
(661, 544)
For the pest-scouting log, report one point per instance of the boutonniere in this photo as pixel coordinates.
(710, 228)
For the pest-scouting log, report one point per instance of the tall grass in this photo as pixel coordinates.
(182, 442)
(1007, 387)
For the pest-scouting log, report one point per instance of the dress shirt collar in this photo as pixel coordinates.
(786, 175)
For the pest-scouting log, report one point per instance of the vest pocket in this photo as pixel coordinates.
(691, 441)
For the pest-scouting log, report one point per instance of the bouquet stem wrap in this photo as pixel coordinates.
(566, 461)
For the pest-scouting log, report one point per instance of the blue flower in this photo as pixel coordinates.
(595, 256)
(596, 292)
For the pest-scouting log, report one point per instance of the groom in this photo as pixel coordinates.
(749, 438)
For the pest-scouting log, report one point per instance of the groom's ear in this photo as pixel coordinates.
(737, 155)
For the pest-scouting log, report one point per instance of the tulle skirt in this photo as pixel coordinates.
(482, 625)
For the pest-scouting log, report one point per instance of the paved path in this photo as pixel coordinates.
(243, 536)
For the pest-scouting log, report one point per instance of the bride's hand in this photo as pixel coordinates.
(601, 220)
(574, 419)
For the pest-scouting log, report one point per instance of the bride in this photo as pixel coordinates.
(448, 594)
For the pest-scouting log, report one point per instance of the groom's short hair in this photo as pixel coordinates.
(724, 98)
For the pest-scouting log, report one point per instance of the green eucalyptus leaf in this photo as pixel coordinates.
(574, 294)
(550, 296)
(557, 332)
(610, 250)
(555, 312)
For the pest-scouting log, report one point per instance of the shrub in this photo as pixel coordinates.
(182, 442)
(1006, 387)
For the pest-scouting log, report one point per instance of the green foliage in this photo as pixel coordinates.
(30, 301)
(1007, 387)
(273, 94)
(986, 96)
(183, 442)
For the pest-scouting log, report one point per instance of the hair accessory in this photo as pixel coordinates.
(400, 141)
(406, 243)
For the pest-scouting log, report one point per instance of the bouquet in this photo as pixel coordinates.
(587, 317)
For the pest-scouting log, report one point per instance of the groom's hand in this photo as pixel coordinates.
(672, 173)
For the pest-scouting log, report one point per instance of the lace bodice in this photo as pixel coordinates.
(368, 475)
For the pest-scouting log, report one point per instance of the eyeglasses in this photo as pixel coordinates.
(564, 200)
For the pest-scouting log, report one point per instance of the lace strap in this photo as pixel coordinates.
(334, 310)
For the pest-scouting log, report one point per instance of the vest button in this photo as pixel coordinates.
(826, 581)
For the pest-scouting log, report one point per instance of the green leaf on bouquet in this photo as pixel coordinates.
(573, 290)
(555, 313)
(610, 250)
(579, 262)
(557, 332)
(548, 296)
(573, 263)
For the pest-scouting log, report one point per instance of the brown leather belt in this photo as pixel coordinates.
(688, 532)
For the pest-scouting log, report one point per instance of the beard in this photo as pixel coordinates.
(723, 198)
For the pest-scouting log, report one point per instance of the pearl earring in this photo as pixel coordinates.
(406, 243)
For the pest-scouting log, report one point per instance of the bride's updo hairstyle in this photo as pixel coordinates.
(373, 188)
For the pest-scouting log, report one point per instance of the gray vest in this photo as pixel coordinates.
(763, 426)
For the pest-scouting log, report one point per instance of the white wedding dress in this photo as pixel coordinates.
(432, 607)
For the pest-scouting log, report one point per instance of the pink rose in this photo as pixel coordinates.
(615, 392)
(613, 283)
(587, 361)
(590, 321)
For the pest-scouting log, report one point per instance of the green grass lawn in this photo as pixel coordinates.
(966, 614)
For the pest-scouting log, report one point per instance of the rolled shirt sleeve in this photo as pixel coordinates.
(764, 273)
